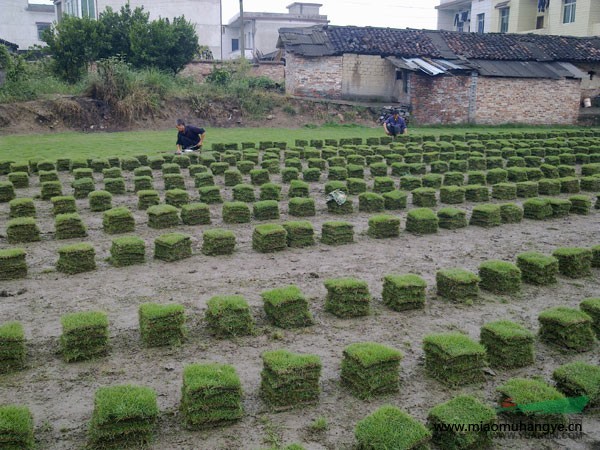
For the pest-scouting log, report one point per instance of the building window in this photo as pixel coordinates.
(504, 13)
(249, 40)
(569, 11)
(480, 23)
(72, 8)
(41, 27)
(539, 23)
(235, 45)
(88, 8)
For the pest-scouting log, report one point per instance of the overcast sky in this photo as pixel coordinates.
(378, 13)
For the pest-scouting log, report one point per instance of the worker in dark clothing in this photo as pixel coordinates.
(189, 137)
(395, 125)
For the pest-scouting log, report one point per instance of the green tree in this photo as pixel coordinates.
(116, 30)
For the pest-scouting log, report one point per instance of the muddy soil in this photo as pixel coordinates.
(60, 395)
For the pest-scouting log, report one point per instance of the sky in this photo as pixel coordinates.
(376, 13)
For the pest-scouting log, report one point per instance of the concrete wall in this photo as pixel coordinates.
(443, 99)
(590, 86)
(19, 25)
(314, 77)
(200, 69)
(527, 100)
(368, 77)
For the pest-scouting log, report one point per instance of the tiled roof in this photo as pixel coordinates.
(407, 43)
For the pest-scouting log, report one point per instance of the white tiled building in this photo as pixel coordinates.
(22, 22)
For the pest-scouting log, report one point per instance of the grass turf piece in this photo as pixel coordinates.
(100, 201)
(395, 200)
(22, 229)
(195, 214)
(177, 197)
(560, 207)
(229, 315)
(567, 328)
(537, 268)
(422, 221)
(301, 207)
(235, 212)
(127, 250)
(270, 191)
(161, 324)
(19, 180)
(504, 191)
(243, 193)
(451, 195)
(337, 233)
(383, 184)
(162, 216)
(269, 238)
(574, 262)
(13, 353)
(16, 428)
(424, 197)
(457, 284)
(69, 226)
(402, 292)
(49, 189)
(500, 277)
(487, 216)
(115, 186)
(218, 242)
(537, 209)
(84, 335)
(266, 210)
(370, 202)
(147, 198)
(286, 307)
(384, 226)
(204, 179)
(347, 297)
(577, 379)
(210, 194)
(581, 204)
(118, 220)
(508, 344)
(172, 247)
(82, 187)
(451, 218)
(12, 264)
(591, 306)
(76, 258)
(299, 233)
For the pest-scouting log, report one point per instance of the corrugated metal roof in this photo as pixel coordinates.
(524, 69)
(429, 66)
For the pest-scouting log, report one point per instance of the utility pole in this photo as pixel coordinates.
(242, 34)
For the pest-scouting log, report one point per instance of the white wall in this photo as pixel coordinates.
(18, 25)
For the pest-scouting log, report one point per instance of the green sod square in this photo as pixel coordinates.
(174, 181)
(12, 264)
(390, 428)
(371, 202)
(504, 191)
(195, 214)
(211, 395)
(337, 233)
(147, 198)
(76, 258)
(451, 195)
(289, 379)
(83, 172)
(331, 186)
(476, 177)
(356, 186)
(337, 173)
(569, 185)
(402, 292)
(560, 207)
(243, 193)
(270, 191)
(486, 215)
(235, 212)
(370, 369)
(203, 179)
(143, 171)
(266, 210)
(574, 262)
(496, 175)
(422, 221)
(454, 359)
(289, 174)
(195, 169)
(567, 328)
(384, 226)
(527, 189)
(18, 180)
(579, 379)
(84, 335)
(22, 229)
(229, 315)
(591, 306)
(457, 284)
(218, 168)
(500, 277)
(48, 175)
(424, 197)
(301, 207)
(232, 177)
(461, 411)
(100, 201)
(118, 220)
(508, 344)
(347, 297)
(383, 184)
(218, 242)
(590, 184)
(129, 163)
(286, 307)
(548, 186)
(259, 177)
(537, 268)
(16, 428)
(550, 171)
(127, 250)
(177, 197)
(124, 416)
(115, 186)
(454, 179)
(432, 180)
(161, 324)
(311, 174)
(210, 194)
(49, 189)
(537, 209)
(451, 218)
(380, 169)
(395, 200)
(82, 187)
(13, 353)
(269, 238)
(172, 247)
(299, 233)
(580, 204)
(162, 216)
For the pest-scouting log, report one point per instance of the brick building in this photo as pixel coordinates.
(445, 77)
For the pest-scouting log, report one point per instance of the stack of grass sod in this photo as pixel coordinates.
(574, 262)
(454, 359)
(82, 187)
(560, 207)
(345, 208)
(424, 197)
(266, 210)
(12, 264)
(384, 226)
(195, 214)
(395, 200)
(235, 212)
(402, 292)
(118, 220)
(508, 344)
(229, 315)
(21, 207)
(50, 189)
(211, 396)
(289, 379)
(76, 258)
(177, 197)
(579, 379)
(390, 428)
(203, 179)
(301, 207)
(13, 353)
(337, 233)
(210, 194)
(286, 307)
(538, 405)
(371, 202)
(269, 238)
(537, 209)
(537, 268)
(115, 186)
(100, 200)
(172, 247)
(124, 416)
(450, 195)
(347, 297)
(487, 215)
(16, 428)
(161, 324)
(127, 250)
(500, 277)
(270, 191)
(457, 285)
(504, 191)
(22, 229)
(243, 193)
(84, 335)
(147, 198)
(299, 233)
(596, 256)
(477, 193)
(63, 205)
(511, 213)
(142, 183)
(450, 423)
(591, 306)
(162, 216)
(567, 328)
(370, 369)
(218, 242)
(451, 218)
(581, 204)
(422, 221)
(69, 226)
(19, 180)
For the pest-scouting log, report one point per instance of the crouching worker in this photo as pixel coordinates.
(395, 125)
(189, 137)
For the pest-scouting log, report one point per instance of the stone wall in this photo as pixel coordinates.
(313, 77)
(200, 69)
(368, 77)
(443, 99)
(527, 100)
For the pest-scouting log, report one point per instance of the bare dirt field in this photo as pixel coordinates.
(60, 395)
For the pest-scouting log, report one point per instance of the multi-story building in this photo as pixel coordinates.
(552, 17)
(261, 28)
(22, 22)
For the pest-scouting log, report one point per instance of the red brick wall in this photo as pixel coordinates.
(442, 99)
(313, 77)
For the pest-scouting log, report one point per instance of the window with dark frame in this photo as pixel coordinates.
(235, 45)
(41, 27)
(539, 22)
(569, 11)
(504, 15)
(480, 22)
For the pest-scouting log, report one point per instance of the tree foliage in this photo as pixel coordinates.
(75, 43)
